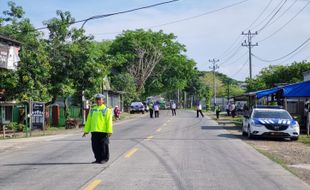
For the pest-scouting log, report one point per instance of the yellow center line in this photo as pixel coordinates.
(93, 184)
(149, 137)
(158, 130)
(131, 152)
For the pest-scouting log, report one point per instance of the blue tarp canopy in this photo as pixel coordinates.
(296, 90)
(301, 89)
(262, 93)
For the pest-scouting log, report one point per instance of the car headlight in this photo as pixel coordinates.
(296, 125)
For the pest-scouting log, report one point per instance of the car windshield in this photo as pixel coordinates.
(271, 114)
(136, 104)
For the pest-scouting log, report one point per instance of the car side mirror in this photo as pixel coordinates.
(295, 117)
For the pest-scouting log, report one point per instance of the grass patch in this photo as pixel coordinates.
(56, 129)
(237, 121)
(304, 139)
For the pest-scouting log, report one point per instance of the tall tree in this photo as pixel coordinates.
(30, 81)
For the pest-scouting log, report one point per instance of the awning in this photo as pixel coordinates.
(301, 89)
(263, 93)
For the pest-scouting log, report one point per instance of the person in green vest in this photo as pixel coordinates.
(217, 110)
(150, 105)
(99, 124)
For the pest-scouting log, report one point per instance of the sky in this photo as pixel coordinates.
(216, 35)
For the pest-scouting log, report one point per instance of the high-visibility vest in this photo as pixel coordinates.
(99, 119)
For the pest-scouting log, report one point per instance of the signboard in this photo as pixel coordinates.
(37, 115)
(9, 57)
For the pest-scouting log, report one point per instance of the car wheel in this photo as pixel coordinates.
(294, 138)
(131, 112)
(250, 136)
(143, 112)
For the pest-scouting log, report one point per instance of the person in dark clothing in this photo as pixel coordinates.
(151, 109)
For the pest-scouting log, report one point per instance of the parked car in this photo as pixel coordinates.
(272, 121)
(137, 107)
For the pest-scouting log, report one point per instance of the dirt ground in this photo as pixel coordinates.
(292, 155)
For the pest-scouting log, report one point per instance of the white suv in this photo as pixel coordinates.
(270, 122)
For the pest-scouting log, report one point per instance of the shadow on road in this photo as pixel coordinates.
(48, 164)
(212, 127)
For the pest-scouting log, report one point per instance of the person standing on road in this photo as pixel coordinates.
(156, 109)
(233, 109)
(199, 109)
(173, 108)
(99, 124)
(227, 107)
(217, 111)
(151, 105)
(117, 113)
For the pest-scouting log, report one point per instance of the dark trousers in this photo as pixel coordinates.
(100, 146)
(228, 112)
(217, 114)
(151, 113)
(233, 113)
(173, 112)
(199, 111)
(156, 113)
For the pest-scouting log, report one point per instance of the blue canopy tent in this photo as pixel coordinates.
(263, 93)
(301, 89)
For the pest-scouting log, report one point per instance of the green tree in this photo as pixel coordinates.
(274, 75)
(30, 81)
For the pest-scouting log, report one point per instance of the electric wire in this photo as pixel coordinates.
(285, 24)
(240, 69)
(227, 50)
(84, 21)
(272, 17)
(284, 12)
(186, 18)
(284, 56)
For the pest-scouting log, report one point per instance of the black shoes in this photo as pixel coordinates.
(100, 162)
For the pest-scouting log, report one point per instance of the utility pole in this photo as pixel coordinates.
(214, 68)
(248, 43)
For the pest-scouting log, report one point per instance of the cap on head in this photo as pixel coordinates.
(99, 96)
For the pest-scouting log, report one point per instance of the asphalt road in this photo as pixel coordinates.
(167, 153)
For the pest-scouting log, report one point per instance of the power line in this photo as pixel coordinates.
(272, 17)
(187, 18)
(240, 69)
(285, 24)
(84, 21)
(233, 62)
(284, 12)
(284, 56)
(260, 15)
(269, 15)
(239, 37)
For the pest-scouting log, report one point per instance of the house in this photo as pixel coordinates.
(8, 60)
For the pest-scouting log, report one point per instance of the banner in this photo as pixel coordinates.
(4, 55)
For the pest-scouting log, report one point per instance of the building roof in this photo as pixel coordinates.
(9, 41)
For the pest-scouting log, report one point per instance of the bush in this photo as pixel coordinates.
(15, 126)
